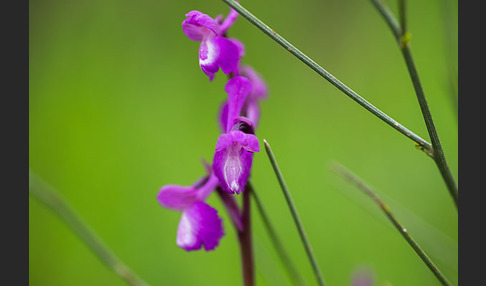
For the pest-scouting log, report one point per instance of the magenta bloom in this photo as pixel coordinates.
(215, 50)
(200, 224)
(250, 108)
(234, 150)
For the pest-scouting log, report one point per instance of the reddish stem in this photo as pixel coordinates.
(244, 238)
(243, 228)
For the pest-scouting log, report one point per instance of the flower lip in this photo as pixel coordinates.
(218, 52)
(200, 226)
(233, 159)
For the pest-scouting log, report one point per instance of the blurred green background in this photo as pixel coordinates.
(118, 107)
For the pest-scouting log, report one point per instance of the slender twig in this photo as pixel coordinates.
(244, 237)
(403, 16)
(291, 270)
(329, 77)
(295, 215)
(403, 39)
(50, 198)
(403, 231)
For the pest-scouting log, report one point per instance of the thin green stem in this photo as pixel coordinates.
(53, 200)
(295, 215)
(403, 39)
(403, 16)
(329, 77)
(291, 271)
(403, 231)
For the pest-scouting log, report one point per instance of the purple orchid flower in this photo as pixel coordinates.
(200, 224)
(215, 50)
(234, 150)
(250, 109)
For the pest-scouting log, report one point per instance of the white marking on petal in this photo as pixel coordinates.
(211, 54)
(232, 168)
(235, 187)
(185, 234)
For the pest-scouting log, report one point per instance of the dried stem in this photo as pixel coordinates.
(403, 231)
(53, 200)
(295, 215)
(291, 270)
(403, 39)
(427, 147)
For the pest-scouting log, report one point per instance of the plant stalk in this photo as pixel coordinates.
(244, 237)
(403, 39)
(232, 208)
(291, 270)
(427, 147)
(53, 200)
(403, 231)
(295, 215)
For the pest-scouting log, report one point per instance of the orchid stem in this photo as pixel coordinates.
(231, 207)
(241, 221)
(403, 39)
(403, 231)
(244, 238)
(295, 215)
(291, 271)
(53, 200)
(427, 147)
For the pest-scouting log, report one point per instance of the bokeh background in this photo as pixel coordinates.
(118, 107)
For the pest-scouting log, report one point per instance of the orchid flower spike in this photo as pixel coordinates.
(215, 51)
(200, 224)
(234, 150)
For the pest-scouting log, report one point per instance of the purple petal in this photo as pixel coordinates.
(199, 226)
(238, 89)
(177, 197)
(223, 116)
(232, 167)
(236, 137)
(241, 47)
(228, 22)
(251, 110)
(218, 52)
(199, 26)
(259, 90)
(209, 186)
(251, 143)
(233, 159)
